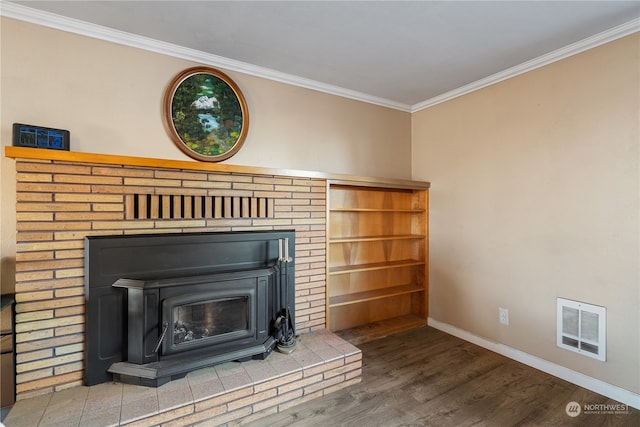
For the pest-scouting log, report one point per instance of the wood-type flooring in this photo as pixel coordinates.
(425, 377)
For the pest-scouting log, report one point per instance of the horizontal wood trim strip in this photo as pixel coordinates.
(360, 181)
(109, 159)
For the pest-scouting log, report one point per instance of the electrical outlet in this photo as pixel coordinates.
(503, 315)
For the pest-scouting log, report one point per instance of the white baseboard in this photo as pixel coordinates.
(614, 392)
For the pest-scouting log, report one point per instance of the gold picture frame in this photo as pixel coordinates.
(205, 114)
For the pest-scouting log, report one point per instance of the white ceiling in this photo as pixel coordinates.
(402, 54)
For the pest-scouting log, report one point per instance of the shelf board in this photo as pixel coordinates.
(374, 266)
(416, 211)
(376, 238)
(372, 331)
(373, 295)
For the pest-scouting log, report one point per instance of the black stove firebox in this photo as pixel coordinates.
(160, 306)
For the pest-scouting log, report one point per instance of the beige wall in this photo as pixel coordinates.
(110, 98)
(534, 180)
(535, 187)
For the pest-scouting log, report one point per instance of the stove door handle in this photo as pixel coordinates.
(165, 326)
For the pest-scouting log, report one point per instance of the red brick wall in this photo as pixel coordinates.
(60, 202)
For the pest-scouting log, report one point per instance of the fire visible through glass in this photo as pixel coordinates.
(206, 319)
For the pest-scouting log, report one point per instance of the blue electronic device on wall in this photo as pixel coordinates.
(40, 137)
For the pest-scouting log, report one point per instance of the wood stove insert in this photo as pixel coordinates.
(160, 306)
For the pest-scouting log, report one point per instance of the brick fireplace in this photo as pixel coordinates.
(63, 197)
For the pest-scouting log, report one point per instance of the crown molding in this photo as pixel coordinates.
(75, 26)
(546, 59)
(46, 19)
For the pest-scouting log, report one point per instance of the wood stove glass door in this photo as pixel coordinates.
(202, 319)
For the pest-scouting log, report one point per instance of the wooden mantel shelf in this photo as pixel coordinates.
(109, 159)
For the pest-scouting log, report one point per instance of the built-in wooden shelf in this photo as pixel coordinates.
(344, 269)
(377, 250)
(377, 210)
(373, 295)
(376, 238)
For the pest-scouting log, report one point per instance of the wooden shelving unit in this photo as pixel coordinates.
(377, 259)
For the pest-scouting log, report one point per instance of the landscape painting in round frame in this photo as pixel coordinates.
(206, 114)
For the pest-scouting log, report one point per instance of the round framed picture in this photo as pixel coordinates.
(206, 114)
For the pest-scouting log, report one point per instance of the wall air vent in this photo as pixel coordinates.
(582, 328)
(181, 206)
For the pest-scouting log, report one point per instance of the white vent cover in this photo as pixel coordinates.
(582, 328)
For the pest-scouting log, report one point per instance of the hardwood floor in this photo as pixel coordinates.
(425, 377)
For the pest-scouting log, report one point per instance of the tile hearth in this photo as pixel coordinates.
(226, 393)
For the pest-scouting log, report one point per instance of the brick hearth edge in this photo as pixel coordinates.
(224, 394)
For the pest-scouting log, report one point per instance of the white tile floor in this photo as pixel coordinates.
(112, 404)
